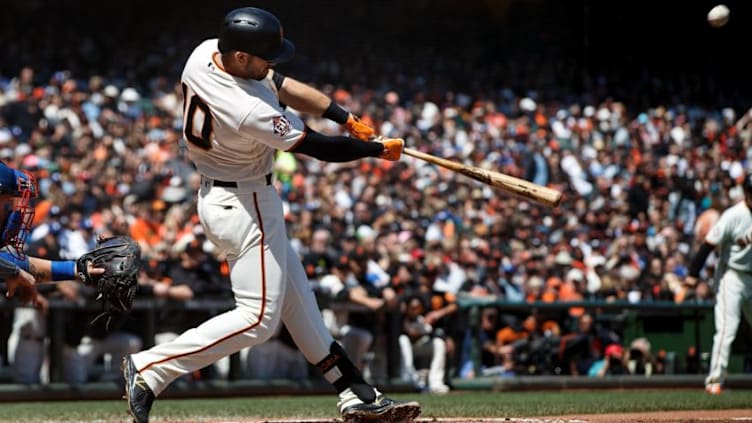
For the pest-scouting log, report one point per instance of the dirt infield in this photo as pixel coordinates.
(687, 416)
(691, 416)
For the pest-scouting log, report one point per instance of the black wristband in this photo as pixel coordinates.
(336, 113)
(278, 78)
(698, 261)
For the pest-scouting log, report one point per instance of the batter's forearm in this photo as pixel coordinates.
(303, 97)
(336, 149)
(699, 259)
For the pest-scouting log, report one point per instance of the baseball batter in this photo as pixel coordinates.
(732, 235)
(233, 124)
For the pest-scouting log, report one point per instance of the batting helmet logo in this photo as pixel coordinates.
(281, 125)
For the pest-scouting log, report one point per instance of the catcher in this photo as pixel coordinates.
(112, 267)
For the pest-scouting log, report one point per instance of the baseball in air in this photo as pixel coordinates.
(718, 16)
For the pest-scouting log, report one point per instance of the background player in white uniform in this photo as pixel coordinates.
(732, 234)
(234, 124)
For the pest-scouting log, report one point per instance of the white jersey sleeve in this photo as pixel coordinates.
(273, 127)
(719, 231)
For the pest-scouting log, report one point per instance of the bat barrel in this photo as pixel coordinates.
(513, 185)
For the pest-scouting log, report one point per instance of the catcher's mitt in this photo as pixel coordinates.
(119, 256)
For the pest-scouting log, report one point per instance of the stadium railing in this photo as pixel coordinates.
(667, 325)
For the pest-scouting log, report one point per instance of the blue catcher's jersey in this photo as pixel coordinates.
(9, 265)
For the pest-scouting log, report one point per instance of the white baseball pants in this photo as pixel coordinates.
(732, 299)
(26, 345)
(268, 281)
(427, 346)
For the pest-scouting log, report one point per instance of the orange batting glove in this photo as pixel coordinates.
(392, 148)
(359, 129)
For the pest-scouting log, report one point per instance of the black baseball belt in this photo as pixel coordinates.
(230, 184)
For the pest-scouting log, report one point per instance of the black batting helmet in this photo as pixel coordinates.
(257, 32)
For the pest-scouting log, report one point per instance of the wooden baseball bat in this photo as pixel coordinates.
(513, 185)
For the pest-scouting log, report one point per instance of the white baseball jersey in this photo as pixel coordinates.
(233, 125)
(732, 233)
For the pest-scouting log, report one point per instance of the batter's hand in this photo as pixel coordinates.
(358, 129)
(392, 148)
(25, 284)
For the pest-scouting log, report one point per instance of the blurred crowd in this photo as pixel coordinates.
(640, 181)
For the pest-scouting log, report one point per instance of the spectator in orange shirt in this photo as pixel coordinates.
(146, 228)
(508, 339)
(550, 293)
(571, 290)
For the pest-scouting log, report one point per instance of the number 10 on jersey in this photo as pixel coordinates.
(197, 121)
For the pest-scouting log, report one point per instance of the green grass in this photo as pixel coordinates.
(474, 404)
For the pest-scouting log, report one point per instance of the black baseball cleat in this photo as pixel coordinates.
(400, 411)
(383, 410)
(137, 393)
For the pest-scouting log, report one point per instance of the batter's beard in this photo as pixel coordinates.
(261, 78)
(256, 74)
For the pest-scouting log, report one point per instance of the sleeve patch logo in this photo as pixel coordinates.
(282, 126)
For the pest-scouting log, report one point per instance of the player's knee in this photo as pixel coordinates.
(265, 329)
